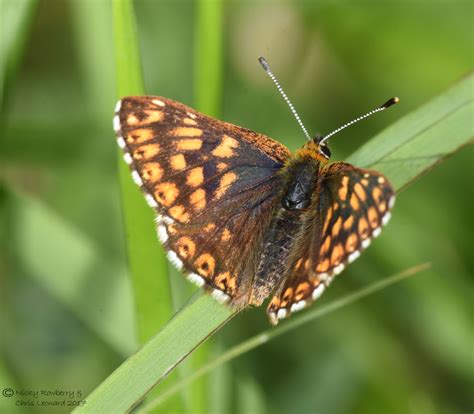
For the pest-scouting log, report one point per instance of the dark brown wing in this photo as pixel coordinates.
(354, 204)
(212, 184)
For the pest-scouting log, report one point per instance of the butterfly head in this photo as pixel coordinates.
(321, 147)
(316, 150)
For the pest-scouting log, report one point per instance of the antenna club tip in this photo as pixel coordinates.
(264, 63)
(390, 102)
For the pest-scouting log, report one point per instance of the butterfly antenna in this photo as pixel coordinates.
(267, 69)
(390, 102)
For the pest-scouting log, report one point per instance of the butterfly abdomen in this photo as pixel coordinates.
(295, 210)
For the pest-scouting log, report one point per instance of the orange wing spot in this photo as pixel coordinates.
(138, 136)
(351, 243)
(316, 283)
(205, 264)
(382, 206)
(209, 227)
(195, 177)
(360, 191)
(189, 121)
(286, 297)
(171, 228)
(298, 263)
(373, 217)
(328, 219)
(274, 304)
(132, 120)
(226, 148)
(232, 285)
(179, 213)
(226, 181)
(377, 195)
(364, 182)
(363, 227)
(221, 166)
(225, 235)
(189, 144)
(198, 199)
(336, 255)
(348, 223)
(166, 193)
(186, 247)
(151, 116)
(344, 188)
(186, 132)
(323, 266)
(301, 289)
(178, 162)
(145, 152)
(152, 172)
(226, 283)
(337, 227)
(221, 280)
(325, 246)
(306, 264)
(354, 202)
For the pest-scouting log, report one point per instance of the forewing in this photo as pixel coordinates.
(212, 184)
(354, 205)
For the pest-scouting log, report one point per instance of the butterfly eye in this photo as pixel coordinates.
(325, 151)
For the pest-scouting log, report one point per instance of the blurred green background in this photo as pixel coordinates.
(66, 303)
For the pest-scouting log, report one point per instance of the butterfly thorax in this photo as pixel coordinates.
(294, 215)
(301, 174)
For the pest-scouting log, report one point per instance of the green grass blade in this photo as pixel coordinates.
(16, 17)
(208, 57)
(220, 383)
(127, 385)
(272, 333)
(148, 265)
(203, 316)
(127, 51)
(250, 397)
(208, 92)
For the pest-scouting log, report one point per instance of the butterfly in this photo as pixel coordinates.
(239, 214)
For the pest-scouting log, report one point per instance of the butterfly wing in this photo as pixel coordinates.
(211, 184)
(354, 204)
